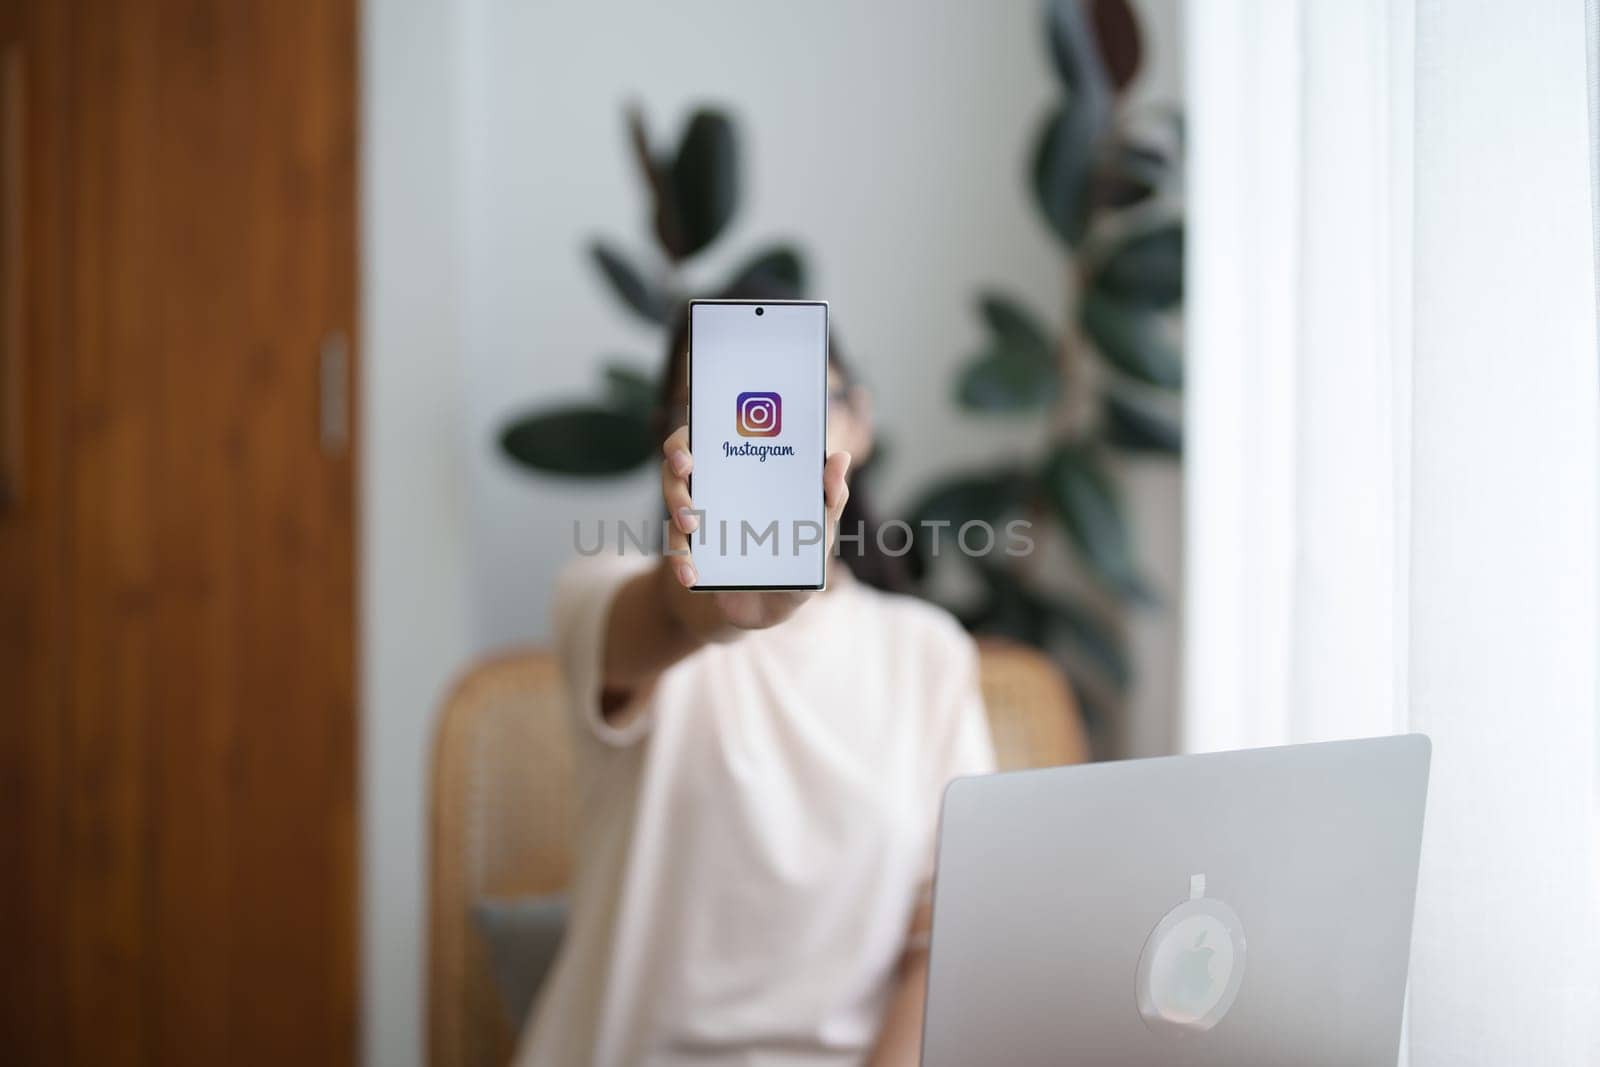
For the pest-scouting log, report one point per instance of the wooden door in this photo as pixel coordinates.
(177, 635)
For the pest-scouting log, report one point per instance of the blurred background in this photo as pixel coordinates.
(891, 149)
(314, 312)
(306, 310)
(885, 157)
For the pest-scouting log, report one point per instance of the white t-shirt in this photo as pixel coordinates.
(754, 839)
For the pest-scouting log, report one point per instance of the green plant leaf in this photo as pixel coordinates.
(1008, 610)
(1087, 502)
(1116, 30)
(641, 297)
(1118, 190)
(704, 180)
(664, 212)
(983, 495)
(1010, 614)
(630, 390)
(1014, 325)
(1132, 174)
(1132, 339)
(1096, 642)
(1077, 58)
(582, 441)
(1147, 269)
(639, 141)
(1063, 171)
(1018, 371)
(987, 495)
(1008, 379)
(1064, 157)
(1133, 427)
(1145, 159)
(780, 267)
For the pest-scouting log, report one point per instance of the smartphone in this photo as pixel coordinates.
(758, 430)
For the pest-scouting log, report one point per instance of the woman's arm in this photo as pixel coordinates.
(899, 1041)
(656, 621)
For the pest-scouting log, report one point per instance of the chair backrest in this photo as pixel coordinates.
(501, 812)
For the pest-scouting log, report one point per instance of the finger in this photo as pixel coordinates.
(674, 485)
(676, 450)
(675, 494)
(676, 464)
(835, 493)
(679, 560)
(835, 490)
(677, 556)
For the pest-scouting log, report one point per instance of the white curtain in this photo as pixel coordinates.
(1394, 459)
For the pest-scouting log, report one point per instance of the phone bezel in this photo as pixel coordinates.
(822, 580)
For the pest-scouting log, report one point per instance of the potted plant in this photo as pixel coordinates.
(1106, 382)
(693, 194)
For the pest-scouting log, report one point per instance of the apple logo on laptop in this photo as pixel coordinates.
(1192, 964)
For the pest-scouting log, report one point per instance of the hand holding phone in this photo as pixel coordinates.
(737, 609)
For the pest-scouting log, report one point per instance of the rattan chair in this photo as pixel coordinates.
(502, 813)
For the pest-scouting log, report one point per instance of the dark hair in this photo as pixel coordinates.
(868, 562)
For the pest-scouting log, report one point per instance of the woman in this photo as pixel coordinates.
(759, 777)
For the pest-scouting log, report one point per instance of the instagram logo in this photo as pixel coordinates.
(760, 414)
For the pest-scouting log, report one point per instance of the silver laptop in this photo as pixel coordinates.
(1241, 908)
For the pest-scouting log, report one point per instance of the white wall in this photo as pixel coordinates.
(891, 138)
(413, 540)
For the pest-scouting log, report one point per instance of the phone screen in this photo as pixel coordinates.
(758, 410)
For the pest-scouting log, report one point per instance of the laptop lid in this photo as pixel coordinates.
(1238, 908)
